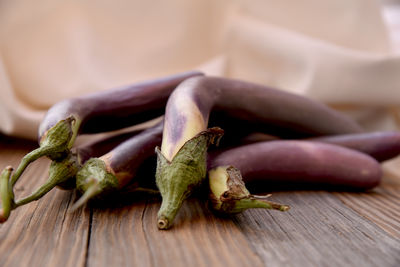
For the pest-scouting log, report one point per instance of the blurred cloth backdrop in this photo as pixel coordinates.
(342, 52)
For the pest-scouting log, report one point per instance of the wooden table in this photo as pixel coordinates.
(321, 229)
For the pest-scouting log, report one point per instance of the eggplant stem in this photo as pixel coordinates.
(170, 206)
(75, 125)
(91, 191)
(177, 179)
(261, 202)
(60, 171)
(162, 223)
(28, 159)
(41, 191)
(7, 199)
(229, 195)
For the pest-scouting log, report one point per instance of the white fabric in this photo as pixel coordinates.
(339, 51)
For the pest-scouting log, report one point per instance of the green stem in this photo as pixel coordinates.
(252, 201)
(41, 191)
(6, 199)
(28, 159)
(92, 190)
(228, 193)
(96, 172)
(177, 179)
(59, 172)
(75, 125)
(170, 206)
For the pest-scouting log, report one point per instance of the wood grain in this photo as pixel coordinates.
(42, 233)
(381, 205)
(321, 229)
(318, 231)
(197, 237)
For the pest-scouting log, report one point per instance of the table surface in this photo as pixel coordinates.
(321, 229)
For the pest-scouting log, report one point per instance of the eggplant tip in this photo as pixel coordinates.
(2, 218)
(9, 168)
(162, 223)
(284, 208)
(81, 201)
(76, 206)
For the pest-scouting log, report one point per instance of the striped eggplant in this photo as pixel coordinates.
(181, 162)
(99, 112)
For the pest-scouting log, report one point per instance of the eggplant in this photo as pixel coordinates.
(182, 158)
(117, 168)
(99, 112)
(300, 162)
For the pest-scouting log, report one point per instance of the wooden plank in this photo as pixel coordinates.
(41, 233)
(128, 236)
(319, 230)
(117, 237)
(381, 205)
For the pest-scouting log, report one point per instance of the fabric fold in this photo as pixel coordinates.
(338, 51)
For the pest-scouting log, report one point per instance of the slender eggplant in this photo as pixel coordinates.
(62, 172)
(118, 167)
(99, 112)
(379, 145)
(186, 120)
(299, 162)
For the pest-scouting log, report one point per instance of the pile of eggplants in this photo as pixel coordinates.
(260, 135)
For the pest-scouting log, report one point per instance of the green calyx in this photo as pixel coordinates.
(229, 195)
(176, 179)
(93, 179)
(60, 137)
(55, 144)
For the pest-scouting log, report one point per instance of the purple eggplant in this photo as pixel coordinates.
(99, 112)
(118, 167)
(379, 145)
(300, 162)
(186, 120)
